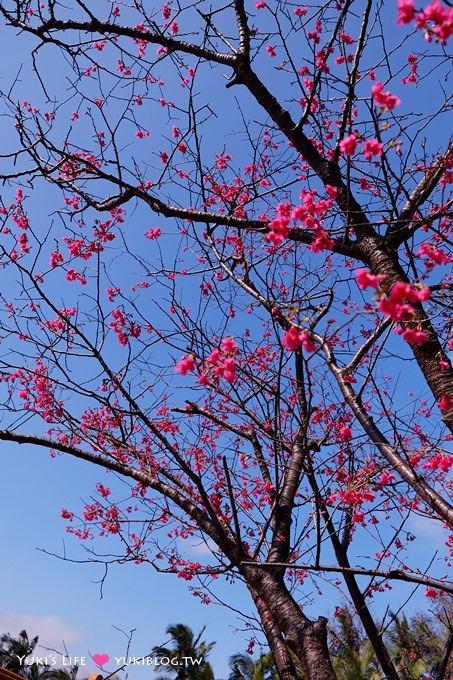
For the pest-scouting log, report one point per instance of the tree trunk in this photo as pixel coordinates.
(305, 638)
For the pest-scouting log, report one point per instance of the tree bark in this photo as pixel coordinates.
(305, 638)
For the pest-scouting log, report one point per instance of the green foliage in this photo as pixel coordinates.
(243, 667)
(352, 654)
(415, 644)
(186, 651)
(14, 651)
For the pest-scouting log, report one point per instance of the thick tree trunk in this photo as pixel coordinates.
(284, 663)
(305, 638)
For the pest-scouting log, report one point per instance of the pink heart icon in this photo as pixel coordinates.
(100, 659)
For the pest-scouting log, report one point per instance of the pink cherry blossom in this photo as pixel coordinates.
(278, 230)
(292, 338)
(437, 21)
(385, 99)
(185, 365)
(228, 345)
(406, 11)
(415, 336)
(345, 433)
(446, 402)
(365, 279)
(372, 148)
(348, 145)
(153, 233)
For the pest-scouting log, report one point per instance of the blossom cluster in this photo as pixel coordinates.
(310, 213)
(123, 327)
(385, 99)
(293, 339)
(371, 147)
(220, 363)
(435, 20)
(37, 392)
(398, 303)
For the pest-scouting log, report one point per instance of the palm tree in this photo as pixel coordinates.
(13, 653)
(352, 654)
(243, 667)
(417, 644)
(69, 674)
(186, 648)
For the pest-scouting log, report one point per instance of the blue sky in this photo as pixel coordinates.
(61, 601)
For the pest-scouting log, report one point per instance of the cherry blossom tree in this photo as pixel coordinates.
(226, 253)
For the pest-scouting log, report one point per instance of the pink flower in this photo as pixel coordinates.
(414, 336)
(445, 403)
(185, 365)
(385, 99)
(367, 280)
(56, 258)
(292, 339)
(346, 38)
(386, 477)
(372, 148)
(435, 255)
(430, 592)
(395, 306)
(404, 291)
(321, 242)
(444, 462)
(214, 356)
(348, 145)
(229, 370)
(278, 230)
(228, 345)
(396, 310)
(260, 4)
(307, 342)
(153, 233)
(271, 51)
(141, 134)
(406, 11)
(345, 433)
(436, 20)
(331, 191)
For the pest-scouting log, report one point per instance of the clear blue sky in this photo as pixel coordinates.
(61, 601)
